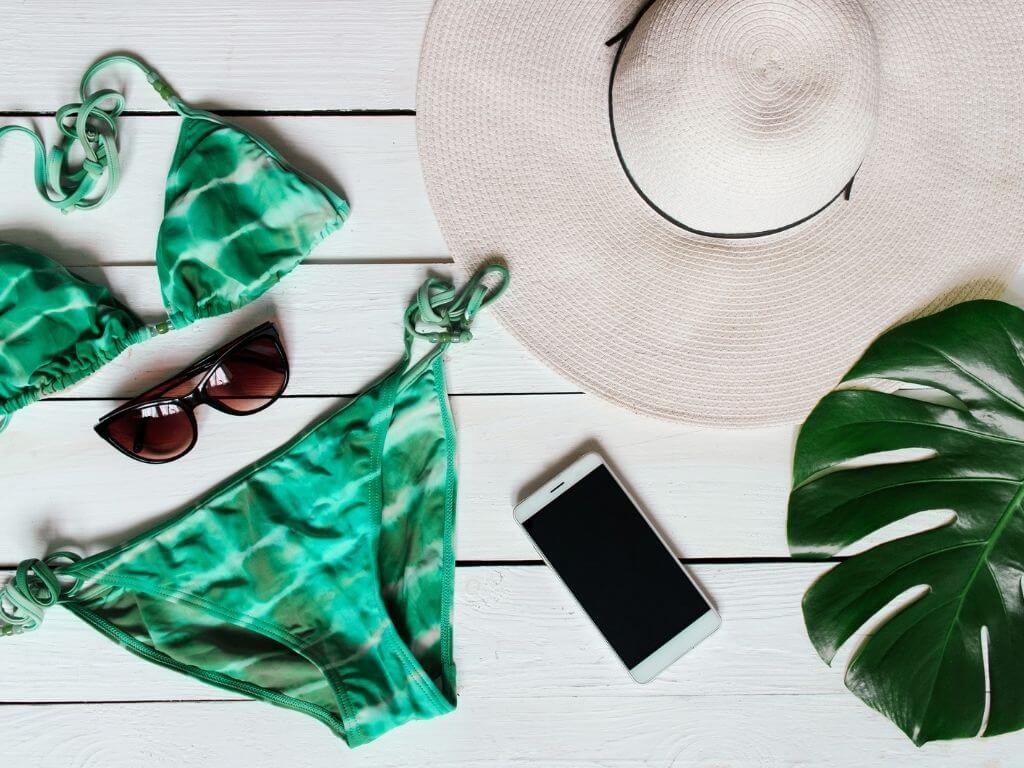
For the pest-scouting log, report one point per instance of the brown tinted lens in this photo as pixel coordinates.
(251, 376)
(158, 432)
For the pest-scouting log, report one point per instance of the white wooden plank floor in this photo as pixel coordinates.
(537, 685)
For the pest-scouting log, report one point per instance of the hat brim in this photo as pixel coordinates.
(517, 154)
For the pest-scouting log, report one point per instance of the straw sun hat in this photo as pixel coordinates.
(711, 207)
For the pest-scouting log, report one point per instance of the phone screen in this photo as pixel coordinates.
(620, 572)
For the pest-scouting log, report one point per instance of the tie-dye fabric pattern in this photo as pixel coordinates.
(236, 220)
(319, 579)
(55, 328)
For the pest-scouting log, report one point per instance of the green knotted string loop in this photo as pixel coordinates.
(443, 315)
(448, 313)
(34, 588)
(83, 168)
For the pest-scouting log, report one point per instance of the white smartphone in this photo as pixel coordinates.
(593, 535)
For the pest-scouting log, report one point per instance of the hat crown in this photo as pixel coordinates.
(741, 117)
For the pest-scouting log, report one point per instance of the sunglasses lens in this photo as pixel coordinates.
(250, 377)
(159, 432)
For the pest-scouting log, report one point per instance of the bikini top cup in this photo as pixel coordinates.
(237, 218)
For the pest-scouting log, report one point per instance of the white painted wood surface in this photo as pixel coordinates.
(231, 54)
(537, 685)
(715, 494)
(752, 695)
(508, 619)
(342, 325)
(371, 161)
(569, 732)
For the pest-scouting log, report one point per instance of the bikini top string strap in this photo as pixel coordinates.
(90, 124)
(443, 315)
(35, 587)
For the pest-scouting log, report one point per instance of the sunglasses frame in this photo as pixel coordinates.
(197, 396)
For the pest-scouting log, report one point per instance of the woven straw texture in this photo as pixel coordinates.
(727, 112)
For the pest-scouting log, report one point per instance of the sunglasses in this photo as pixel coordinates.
(241, 378)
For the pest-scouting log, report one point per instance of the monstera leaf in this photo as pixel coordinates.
(866, 459)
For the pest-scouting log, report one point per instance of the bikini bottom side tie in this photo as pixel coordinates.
(34, 588)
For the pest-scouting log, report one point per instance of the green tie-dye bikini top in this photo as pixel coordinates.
(237, 219)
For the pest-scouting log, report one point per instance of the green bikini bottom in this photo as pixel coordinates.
(320, 578)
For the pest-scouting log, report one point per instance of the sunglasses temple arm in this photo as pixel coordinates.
(210, 361)
(140, 435)
(206, 363)
(192, 371)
